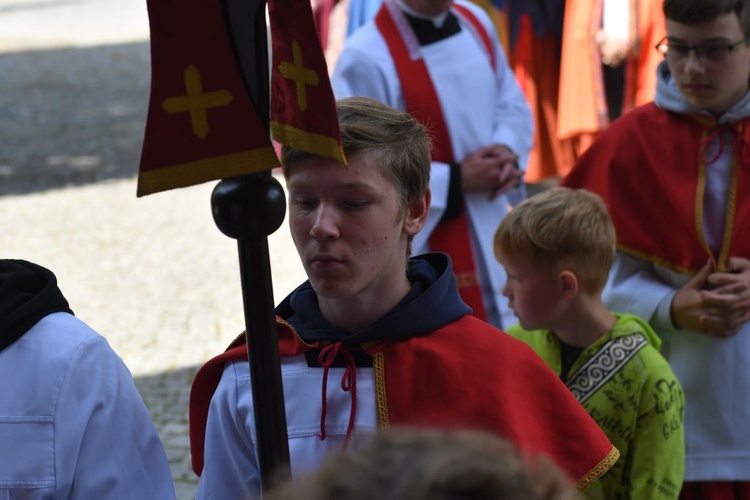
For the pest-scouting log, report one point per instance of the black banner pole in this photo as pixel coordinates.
(248, 209)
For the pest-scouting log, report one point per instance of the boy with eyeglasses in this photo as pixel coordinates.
(676, 177)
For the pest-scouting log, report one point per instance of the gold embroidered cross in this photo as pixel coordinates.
(196, 102)
(301, 75)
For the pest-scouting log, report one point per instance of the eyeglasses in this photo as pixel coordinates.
(708, 53)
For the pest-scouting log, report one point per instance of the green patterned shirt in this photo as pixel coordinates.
(629, 389)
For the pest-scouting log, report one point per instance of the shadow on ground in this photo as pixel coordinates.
(72, 116)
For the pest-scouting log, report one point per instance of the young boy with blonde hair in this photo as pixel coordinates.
(557, 248)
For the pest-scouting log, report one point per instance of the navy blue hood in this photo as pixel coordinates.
(28, 292)
(432, 302)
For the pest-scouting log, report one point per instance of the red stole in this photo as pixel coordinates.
(650, 167)
(451, 236)
(448, 379)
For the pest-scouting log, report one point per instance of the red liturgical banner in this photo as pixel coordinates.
(202, 122)
(303, 110)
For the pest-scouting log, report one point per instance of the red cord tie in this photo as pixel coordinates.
(348, 383)
(740, 146)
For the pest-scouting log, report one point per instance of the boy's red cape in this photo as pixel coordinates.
(447, 379)
(650, 167)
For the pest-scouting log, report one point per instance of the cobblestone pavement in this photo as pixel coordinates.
(154, 275)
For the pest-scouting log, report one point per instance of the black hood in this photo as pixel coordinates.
(28, 292)
(432, 302)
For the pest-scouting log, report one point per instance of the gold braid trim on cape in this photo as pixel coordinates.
(598, 470)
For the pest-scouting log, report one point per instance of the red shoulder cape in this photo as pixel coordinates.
(650, 168)
(446, 379)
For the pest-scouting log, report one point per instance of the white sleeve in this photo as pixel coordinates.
(230, 467)
(357, 74)
(104, 435)
(634, 287)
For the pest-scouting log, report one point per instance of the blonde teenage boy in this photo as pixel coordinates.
(375, 339)
(557, 248)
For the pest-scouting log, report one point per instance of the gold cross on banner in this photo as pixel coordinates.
(196, 102)
(301, 75)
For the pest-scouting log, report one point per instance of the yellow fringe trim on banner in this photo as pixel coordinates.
(208, 169)
(310, 142)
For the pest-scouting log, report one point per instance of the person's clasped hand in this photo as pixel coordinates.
(492, 168)
(715, 303)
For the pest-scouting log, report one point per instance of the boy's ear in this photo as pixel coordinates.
(416, 214)
(569, 284)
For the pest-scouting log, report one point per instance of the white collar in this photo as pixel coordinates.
(436, 20)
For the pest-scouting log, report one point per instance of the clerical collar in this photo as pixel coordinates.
(437, 21)
(430, 29)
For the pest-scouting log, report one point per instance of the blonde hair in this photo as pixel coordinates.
(431, 464)
(562, 228)
(399, 143)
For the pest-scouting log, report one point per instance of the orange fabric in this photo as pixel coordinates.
(648, 33)
(649, 167)
(537, 70)
(579, 144)
(450, 236)
(447, 379)
(581, 93)
(582, 105)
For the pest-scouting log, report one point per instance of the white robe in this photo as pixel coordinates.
(72, 424)
(231, 472)
(480, 107)
(714, 373)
